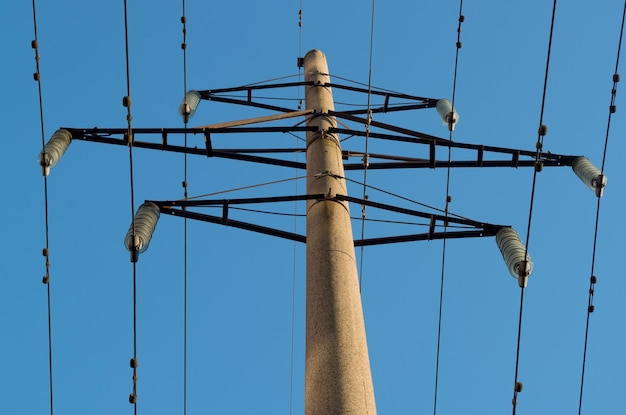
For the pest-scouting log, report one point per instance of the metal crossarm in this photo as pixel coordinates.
(474, 229)
(218, 96)
(509, 157)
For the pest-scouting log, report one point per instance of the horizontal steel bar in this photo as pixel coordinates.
(236, 201)
(244, 155)
(234, 224)
(209, 93)
(419, 138)
(80, 133)
(362, 121)
(248, 103)
(223, 220)
(274, 199)
(423, 237)
(425, 164)
(383, 109)
(411, 212)
(103, 135)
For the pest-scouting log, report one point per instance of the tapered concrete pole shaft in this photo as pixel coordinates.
(338, 379)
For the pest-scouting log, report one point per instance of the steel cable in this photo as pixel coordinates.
(367, 136)
(517, 386)
(127, 102)
(46, 250)
(185, 185)
(461, 19)
(593, 278)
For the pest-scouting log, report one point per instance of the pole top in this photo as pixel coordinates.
(315, 52)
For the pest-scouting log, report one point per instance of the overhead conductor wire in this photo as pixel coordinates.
(129, 138)
(295, 228)
(185, 185)
(366, 161)
(517, 386)
(593, 278)
(461, 19)
(46, 250)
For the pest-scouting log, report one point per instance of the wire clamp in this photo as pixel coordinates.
(328, 174)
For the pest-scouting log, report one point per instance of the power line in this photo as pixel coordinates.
(366, 153)
(367, 136)
(46, 250)
(405, 198)
(461, 19)
(593, 279)
(129, 139)
(295, 229)
(237, 189)
(183, 45)
(302, 215)
(541, 134)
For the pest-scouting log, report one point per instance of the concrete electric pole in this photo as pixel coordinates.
(338, 379)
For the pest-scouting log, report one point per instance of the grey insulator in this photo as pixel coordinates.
(590, 175)
(145, 221)
(189, 105)
(449, 116)
(54, 150)
(514, 253)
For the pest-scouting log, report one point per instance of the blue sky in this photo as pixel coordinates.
(242, 287)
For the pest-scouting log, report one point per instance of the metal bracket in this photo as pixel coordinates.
(328, 173)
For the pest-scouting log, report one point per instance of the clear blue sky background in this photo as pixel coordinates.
(242, 287)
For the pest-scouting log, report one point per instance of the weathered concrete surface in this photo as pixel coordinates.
(338, 378)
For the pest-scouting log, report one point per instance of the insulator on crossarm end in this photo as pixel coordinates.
(515, 256)
(145, 222)
(189, 105)
(449, 116)
(54, 150)
(590, 175)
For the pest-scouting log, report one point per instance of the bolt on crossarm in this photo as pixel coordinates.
(338, 377)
